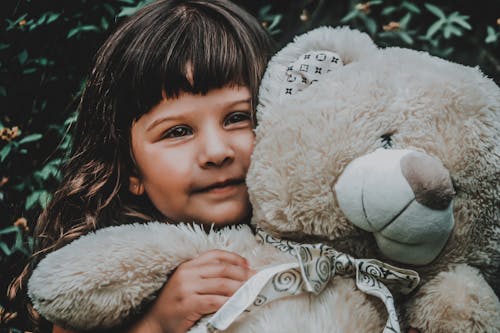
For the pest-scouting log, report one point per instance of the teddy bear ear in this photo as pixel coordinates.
(309, 58)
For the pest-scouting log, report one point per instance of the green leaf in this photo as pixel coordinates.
(128, 11)
(72, 32)
(388, 10)
(9, 230)
(405, 37)
(71, 119)
(31, 138)
(53, 17)
(5, 249)
(31, 242)
(47, 171)
(411, 7)
(490, 39)
(81, 28)
(275, 22)
(3, 91)
(32, 199)
(462, 21)
(30, 70)
(371, 25)
(492, 36)
(447, 32)
(41, 20)
(351, 15)
(435, 10)
(42, 61)
(446, 52)
(386, 34)
(3, 46)
(22, 57)
(264, 11)
(104, 23)
(434, 28)
(454, 30)
(44, 198)
(5, 151)
(405, 20)
(18, 245)
(109, 9)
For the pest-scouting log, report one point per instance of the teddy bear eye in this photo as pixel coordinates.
(386, 140)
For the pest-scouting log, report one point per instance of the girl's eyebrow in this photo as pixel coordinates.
(176, 117)
(161, 120)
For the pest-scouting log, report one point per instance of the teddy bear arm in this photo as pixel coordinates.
(457, 300)
(100, 280)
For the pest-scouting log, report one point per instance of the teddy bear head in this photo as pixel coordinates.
(356, 143)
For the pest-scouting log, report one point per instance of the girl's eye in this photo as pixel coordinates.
(177, 132)
(237, 117)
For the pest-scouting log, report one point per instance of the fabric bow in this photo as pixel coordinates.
(316, 264)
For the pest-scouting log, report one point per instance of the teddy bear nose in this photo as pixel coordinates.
(429, 180)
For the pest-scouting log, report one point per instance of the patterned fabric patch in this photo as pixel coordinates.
(316, 264)
(309, 68)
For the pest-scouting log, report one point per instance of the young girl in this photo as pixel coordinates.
(165, 132)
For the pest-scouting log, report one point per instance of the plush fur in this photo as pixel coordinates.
(437, 214)
(101, 279)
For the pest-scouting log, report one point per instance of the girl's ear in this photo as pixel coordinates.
(135, 185)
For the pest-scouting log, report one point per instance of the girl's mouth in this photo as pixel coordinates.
(220, 187)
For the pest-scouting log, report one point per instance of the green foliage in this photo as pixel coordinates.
(269, 20)
(464, 32)
(47, 49)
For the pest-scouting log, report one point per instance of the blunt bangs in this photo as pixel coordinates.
(191, 47)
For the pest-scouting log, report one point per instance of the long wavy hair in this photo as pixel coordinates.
(145, 60)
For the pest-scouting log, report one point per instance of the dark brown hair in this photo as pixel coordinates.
(146, 59)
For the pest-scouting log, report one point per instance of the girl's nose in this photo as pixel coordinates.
(216, 149)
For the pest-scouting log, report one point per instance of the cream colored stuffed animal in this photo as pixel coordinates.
(379, 153)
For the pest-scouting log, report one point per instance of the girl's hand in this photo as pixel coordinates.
(196, 288)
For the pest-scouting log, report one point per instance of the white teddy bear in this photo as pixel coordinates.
(360, 153)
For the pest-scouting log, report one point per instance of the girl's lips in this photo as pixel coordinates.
(221, 187)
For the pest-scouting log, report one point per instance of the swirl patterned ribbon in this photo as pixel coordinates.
(316, 265)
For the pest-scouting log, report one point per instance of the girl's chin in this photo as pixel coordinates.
(217, 224)
(228, 218)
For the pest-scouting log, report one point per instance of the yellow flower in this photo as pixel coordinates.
(363, 7)
(22, 223)
(391, 26)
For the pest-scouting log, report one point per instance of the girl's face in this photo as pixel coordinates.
(192, 154)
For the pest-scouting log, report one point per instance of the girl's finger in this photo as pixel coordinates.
(220, 256)
(218, 286)
(223, 270)
(207, 304)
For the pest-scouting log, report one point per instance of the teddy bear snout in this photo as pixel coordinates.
(429, 180)
(403, 197)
